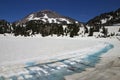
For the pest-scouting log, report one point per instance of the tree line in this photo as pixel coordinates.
(34, 27)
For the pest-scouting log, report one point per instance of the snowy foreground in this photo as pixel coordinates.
(49, 58)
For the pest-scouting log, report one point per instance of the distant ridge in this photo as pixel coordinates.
(106, 19)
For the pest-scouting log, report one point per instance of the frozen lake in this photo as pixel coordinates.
(47, 58)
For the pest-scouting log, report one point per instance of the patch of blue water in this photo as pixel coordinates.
(2, 78)
(13, 77)
(94, 58)
(30, 64)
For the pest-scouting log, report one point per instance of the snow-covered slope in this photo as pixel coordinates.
(45, 18)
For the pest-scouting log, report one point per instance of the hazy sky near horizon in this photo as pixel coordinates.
(81, 10)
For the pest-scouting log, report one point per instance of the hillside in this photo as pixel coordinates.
(106, 19)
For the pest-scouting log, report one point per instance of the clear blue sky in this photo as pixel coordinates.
(82, 10)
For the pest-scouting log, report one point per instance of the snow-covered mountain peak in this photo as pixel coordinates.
(47, 16)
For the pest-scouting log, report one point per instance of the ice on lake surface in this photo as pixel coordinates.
(58, 68)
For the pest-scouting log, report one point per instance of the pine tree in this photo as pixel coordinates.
(91, 31)
(105, 31)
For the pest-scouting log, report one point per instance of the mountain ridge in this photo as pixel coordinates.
(105, 19)
(47, 22)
